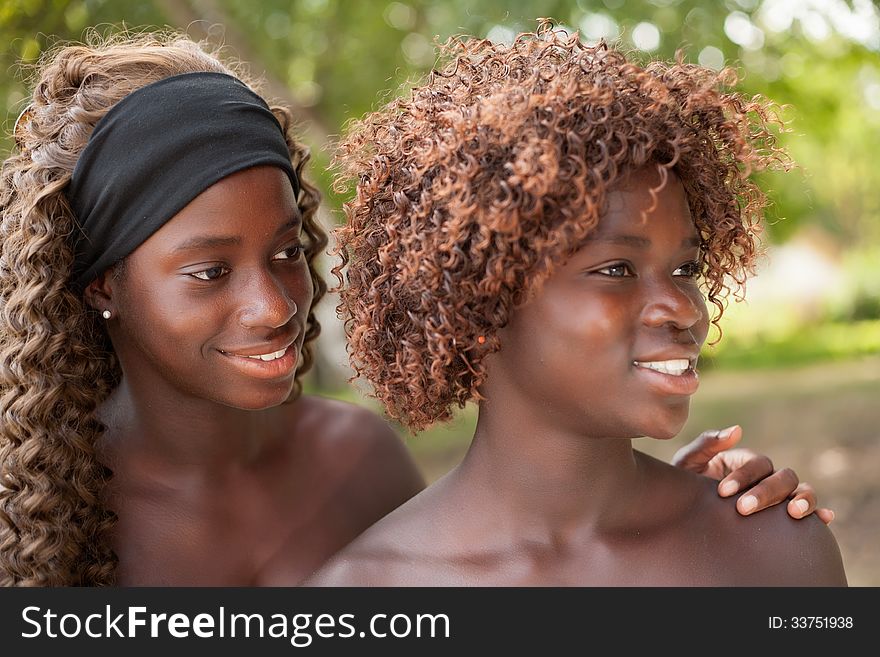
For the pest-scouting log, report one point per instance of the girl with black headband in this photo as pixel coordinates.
(157, 286)
(158, 281)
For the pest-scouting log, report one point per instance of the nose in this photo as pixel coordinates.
(673, 304)
(266, 302)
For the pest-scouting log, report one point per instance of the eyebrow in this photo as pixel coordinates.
(214, 241)
(643, 242)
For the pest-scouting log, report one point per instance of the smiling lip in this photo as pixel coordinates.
(266, 369)
(665, 383)
(670, 384)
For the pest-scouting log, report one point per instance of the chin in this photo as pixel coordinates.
(258, 401)
(665, 434)
(664, 430)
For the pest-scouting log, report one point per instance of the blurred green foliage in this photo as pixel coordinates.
(340, 58)
(819, 342)
(333, 60)
(336, 59)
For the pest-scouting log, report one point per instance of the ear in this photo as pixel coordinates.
(99, 293)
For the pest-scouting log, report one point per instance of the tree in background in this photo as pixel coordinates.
(332, 60)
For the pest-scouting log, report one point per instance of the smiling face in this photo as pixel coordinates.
(215, 303)
(607, 346)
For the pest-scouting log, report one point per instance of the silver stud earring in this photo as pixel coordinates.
(106, 314)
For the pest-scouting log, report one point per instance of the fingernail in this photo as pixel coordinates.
(802, 506)
(748, 503)
(729, 488)
(729, 430)
(832, 515)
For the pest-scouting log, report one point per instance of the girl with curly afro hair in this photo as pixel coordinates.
(534, 229)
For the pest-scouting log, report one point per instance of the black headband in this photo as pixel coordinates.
(155, 151)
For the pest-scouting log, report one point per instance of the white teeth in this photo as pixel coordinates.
(675, 367)
(265, 357)
(272, 356)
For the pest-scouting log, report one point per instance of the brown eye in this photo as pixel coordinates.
(688, 270)
(290, 253)
(210, 274)
(618, 270)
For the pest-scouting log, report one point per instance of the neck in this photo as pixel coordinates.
(166, 428)
(548, 477)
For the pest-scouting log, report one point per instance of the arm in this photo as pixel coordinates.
(710, 454)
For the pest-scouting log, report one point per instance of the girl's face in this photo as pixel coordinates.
(224, 281)
(609, 345)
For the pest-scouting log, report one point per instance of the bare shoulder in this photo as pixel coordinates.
(372, 468)
(709, 543)
(369, 560)
(344, 432)
(796, 552)
(770, 548)
(354, 566)
(336, 421)
(405, 548)
(381, 556)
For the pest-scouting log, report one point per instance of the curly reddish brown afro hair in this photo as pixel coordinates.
(472, 189)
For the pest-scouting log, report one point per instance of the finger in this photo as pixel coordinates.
(728, 486)
(772, 490)
(825, 515)
(803, 501)
(746, 469)
(697, 453)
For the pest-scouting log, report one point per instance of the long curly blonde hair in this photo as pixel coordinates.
(56, 361)
(472, 188)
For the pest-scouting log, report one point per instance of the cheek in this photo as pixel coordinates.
(573, 330)
(591, 323)
(701, 329)
(161, 318)
(306, 290)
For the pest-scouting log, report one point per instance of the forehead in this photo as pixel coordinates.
(252, 201)
(643, 203)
